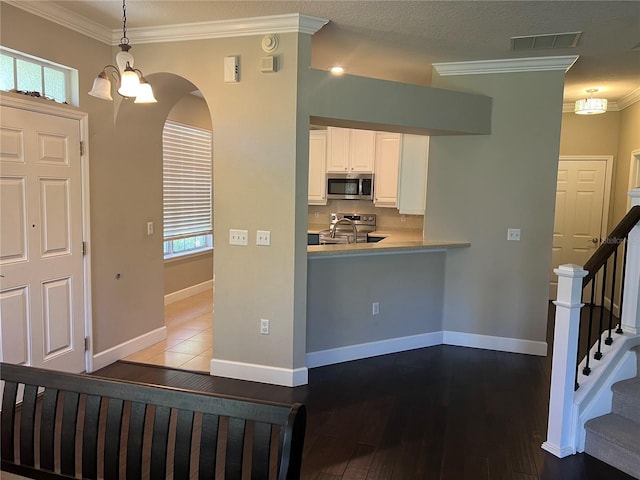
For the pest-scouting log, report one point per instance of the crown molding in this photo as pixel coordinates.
(510, 65)
(289, 23)
(68, 19)
(630, 98)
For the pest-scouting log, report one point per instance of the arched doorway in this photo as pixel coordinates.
(186, 278)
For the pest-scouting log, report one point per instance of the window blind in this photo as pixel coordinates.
(187, 180)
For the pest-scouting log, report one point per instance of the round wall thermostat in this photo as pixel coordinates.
(269, 43)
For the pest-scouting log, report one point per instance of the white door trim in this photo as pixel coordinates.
(604, 230)
(634, 174)
(49, 108)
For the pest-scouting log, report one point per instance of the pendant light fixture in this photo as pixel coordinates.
(132, 83)
(591, 106)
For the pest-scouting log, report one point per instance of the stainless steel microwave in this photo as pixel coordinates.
(350, 186)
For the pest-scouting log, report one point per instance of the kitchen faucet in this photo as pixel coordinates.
(332, 228)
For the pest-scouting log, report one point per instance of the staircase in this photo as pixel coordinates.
(614, 438)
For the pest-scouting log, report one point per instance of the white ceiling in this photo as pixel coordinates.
(400, 40)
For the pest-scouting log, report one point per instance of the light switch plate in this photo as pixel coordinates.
(238, 237)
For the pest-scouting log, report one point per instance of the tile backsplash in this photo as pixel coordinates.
(386, 217)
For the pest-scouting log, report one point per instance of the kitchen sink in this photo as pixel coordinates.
(333, 241)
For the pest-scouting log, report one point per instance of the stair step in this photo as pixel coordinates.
(626, 398)
(616, 441)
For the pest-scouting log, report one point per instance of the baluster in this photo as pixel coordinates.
(609, 340)
(580, 338)
(586, 370)
(598, 354)
(624, 271)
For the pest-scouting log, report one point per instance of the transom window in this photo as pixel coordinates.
(35, 76)
(187, 189)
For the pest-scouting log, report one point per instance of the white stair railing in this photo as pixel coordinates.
(562, 434)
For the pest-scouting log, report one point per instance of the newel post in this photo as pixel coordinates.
(560, 441)
(631, 303)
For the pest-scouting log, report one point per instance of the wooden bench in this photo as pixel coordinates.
(60, 425)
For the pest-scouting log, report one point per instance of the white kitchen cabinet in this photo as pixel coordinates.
(317, 167)
(412, 190)
(350, 150)
(387, 162)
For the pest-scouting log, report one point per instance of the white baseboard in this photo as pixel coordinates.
(127, 348)
(500, 344)
(401, 344)
(187, 292)
(260, 373)
(372, 349)
(557, 451)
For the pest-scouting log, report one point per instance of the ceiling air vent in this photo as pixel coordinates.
(551, 40)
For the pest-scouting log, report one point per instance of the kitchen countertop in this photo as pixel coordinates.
(395, 241)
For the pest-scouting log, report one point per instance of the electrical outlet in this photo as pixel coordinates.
(375, 308)
(263, 237)
(149, 228)
(238, 237)
(513, 234)
(264, 326)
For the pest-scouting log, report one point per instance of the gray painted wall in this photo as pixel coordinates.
(409, 288)
(351, 101)
(480, 186)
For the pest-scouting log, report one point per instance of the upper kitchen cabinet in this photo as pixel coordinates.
(387, 161)
(350, 150)
(317, 167)
(412, 190)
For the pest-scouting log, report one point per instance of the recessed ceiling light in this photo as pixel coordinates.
(337, 70)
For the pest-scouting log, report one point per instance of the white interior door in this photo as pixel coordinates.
(580, 206)
(42, 283)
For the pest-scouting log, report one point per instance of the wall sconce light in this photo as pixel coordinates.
(131, 81)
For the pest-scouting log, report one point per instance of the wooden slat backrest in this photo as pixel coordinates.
(90, 436)
(68, 436)
(182, 454)
(81, 400)
(28, 425)
(208, 443)
(134, 440)
(47, 427)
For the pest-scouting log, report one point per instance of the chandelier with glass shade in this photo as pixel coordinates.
(131, 82)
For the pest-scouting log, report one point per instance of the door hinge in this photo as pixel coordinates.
(81, 148)
(87, 342)
(84, 248)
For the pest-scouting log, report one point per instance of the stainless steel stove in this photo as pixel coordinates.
(348, 228)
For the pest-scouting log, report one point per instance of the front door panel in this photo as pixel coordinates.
(42, 283)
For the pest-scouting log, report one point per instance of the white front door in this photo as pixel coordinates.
(42, 283)
(579, 213)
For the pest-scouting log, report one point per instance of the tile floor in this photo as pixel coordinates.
(189, 339)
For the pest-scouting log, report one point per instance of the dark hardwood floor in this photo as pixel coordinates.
(435, 413)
